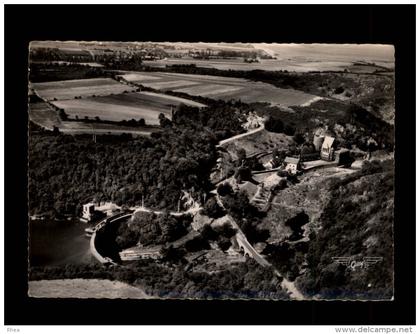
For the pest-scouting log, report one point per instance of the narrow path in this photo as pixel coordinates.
(192, 210)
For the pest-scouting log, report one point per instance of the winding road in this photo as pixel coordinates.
(248, 249)
(225, 141)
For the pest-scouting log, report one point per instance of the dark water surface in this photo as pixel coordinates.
(54, 243)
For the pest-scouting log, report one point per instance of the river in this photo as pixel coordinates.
(53, 243)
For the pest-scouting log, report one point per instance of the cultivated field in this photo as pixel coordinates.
(120, 107)
(297, 64)
(84, 288)
(220, 88)
(69, 89)
(61, 62)
(45, 116)
(42, 114)
(104, 128)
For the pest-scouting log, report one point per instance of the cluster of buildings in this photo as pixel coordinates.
(323, 148)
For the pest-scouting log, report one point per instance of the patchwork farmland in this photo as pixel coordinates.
(69, 89)
(100, 99)
(220, 88)
(44, 115)
(120, 107)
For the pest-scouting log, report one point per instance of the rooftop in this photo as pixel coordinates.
(328, 141)
(291, 160)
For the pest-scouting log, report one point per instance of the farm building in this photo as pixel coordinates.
(327, 149)
(292, 165)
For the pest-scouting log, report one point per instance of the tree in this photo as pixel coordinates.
(274, 125)
(212, 209)
(296, 223)
(298, 138)
(241, 153)
(224, 189)
(339, 90)
(345, 158)
(196, 244)
(62, 114)
(224, 243)
(170, 227)
(163, 121)
(171, 254)
(238, 205)
(243, 174)
(308, 148)
(289, 130)
(208, 233)
(225, 230)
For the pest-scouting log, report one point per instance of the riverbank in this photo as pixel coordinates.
(84, 288)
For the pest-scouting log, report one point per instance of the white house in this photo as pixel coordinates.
(88, 211)
(292, 165)
(327, 149)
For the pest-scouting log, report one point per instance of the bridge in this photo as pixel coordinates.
(242, 241)
(248, 250)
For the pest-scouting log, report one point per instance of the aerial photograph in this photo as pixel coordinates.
(194, 170)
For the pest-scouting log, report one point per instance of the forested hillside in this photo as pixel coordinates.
(66, 171)
(356, 223)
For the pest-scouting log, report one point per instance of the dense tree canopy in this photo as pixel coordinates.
(357, 222)
(150, 229)
(66, 171)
